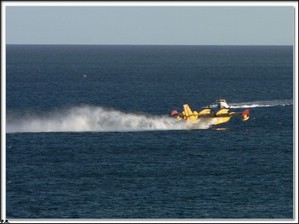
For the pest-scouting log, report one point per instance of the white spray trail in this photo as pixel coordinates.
(271, 103)
(99, 119)
(96, 119)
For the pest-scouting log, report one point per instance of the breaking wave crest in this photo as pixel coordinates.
(94, 119)
(271, 103)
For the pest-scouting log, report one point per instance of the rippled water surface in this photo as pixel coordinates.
(89, 136)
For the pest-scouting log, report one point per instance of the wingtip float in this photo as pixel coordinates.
(221, 115)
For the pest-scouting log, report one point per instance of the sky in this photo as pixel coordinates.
(150, 25)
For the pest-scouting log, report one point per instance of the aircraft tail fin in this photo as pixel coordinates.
(187, 110)
(188, 113)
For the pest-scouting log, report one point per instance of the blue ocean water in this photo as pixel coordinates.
(88, 132)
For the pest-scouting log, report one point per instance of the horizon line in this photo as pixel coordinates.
(163, 44)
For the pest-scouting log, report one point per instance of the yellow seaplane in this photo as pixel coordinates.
(220, 116)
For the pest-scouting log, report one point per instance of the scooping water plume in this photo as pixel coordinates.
(99, 119)
(95, 119)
